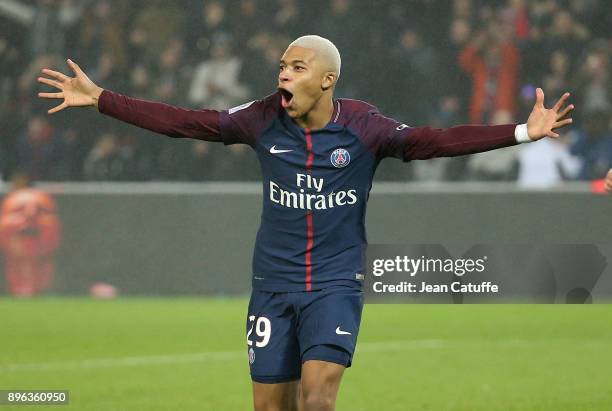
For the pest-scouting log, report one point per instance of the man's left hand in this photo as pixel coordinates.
(542, 121)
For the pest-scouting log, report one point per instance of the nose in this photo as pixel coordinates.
(283, 77)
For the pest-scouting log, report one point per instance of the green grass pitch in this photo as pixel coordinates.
(189, 354)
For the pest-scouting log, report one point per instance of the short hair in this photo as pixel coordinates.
(324, 48)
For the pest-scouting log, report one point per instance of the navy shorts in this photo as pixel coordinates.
(285, 329)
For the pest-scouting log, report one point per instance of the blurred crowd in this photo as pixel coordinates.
(424, 62)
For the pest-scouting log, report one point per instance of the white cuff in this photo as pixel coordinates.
(521, 135)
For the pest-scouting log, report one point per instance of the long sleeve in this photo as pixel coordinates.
(162, 118)
(387, 137)
(427, 142)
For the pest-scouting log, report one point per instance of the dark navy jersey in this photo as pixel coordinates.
(316, 183)
(315, 189)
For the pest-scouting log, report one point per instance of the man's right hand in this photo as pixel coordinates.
(609, 181)
(77, 91)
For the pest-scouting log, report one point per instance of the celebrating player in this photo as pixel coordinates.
(318, 155)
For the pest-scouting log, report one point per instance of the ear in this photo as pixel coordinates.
(329, 80)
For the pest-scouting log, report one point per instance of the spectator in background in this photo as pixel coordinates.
(26, 83)
(107, 70)
(517, 14)
(387, 99)
(156, 22)
(594, 80)
(47, 21)
(245, 20)
(216, 83)
(492, 61)
(140, 81)
(437, 169)
(566, 33)
(534, 56)
(262, 51)
(595, 15)
(417, 64)
(213, 19)
(593, 144)
(341, 21)
(456, 81)
(101, 31)
(462, 9)
(144, 43)
(171, 158)
(452, 106)
(495, 165)
(449, 113)
(71, 152)
(209, 19)
(37, 150)
(104, 163)
(10, 67)
(557, 78)
(286, 17)
(167, 76)
(546, 164)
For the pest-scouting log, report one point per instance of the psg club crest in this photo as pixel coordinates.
(340, 158)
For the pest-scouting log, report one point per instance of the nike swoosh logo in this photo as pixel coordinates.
(274, 150)
(340, 332)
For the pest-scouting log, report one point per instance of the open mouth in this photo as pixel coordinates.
(286, 97)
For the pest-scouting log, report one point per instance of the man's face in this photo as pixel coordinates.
(29, 224)
(300, 81)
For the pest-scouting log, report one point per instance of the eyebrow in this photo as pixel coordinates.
(294, 62)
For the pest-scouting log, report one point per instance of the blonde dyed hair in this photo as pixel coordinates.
(325, 49)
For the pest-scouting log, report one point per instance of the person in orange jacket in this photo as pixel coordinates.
(493, 63)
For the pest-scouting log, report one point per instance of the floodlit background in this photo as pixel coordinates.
(125, 270)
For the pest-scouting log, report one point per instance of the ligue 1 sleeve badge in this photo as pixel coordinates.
(340, 158)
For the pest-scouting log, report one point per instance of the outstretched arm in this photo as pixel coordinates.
(428, 142)
(80, 91)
